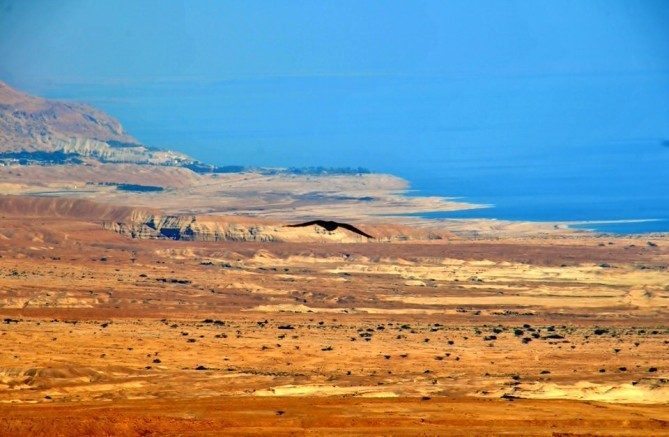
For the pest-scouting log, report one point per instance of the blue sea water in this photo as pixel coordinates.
(617, 188)
(567, 148)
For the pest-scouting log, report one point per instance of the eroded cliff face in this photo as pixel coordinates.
(192, 228)
(32, 124)
(144, 223)
(237, 228)
(105, 152)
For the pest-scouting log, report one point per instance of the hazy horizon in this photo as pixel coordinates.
(477, 99)
(287, 81)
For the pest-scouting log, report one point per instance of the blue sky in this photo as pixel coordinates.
(133, 41)
(387, 84)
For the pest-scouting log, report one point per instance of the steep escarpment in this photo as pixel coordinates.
(238, 228)
(33, 123)
(145, 223)
(191, 228)
(41, 130)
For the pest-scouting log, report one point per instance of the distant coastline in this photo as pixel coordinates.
(617, 215)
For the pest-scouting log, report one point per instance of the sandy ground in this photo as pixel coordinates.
(513, 335)
(277, 197)
(336, 416)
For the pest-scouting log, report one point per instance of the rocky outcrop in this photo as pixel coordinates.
(105, 152)
(238, 228)
(33, 124)
(192, 228)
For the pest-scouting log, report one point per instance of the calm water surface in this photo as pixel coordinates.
(619, 182)
(552, 148)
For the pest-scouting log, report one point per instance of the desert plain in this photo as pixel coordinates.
(143, 292)
(252, 327)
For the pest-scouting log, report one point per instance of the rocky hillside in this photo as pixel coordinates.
(41, 130)
(192, 228)
(146, 223)
(235, 228)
